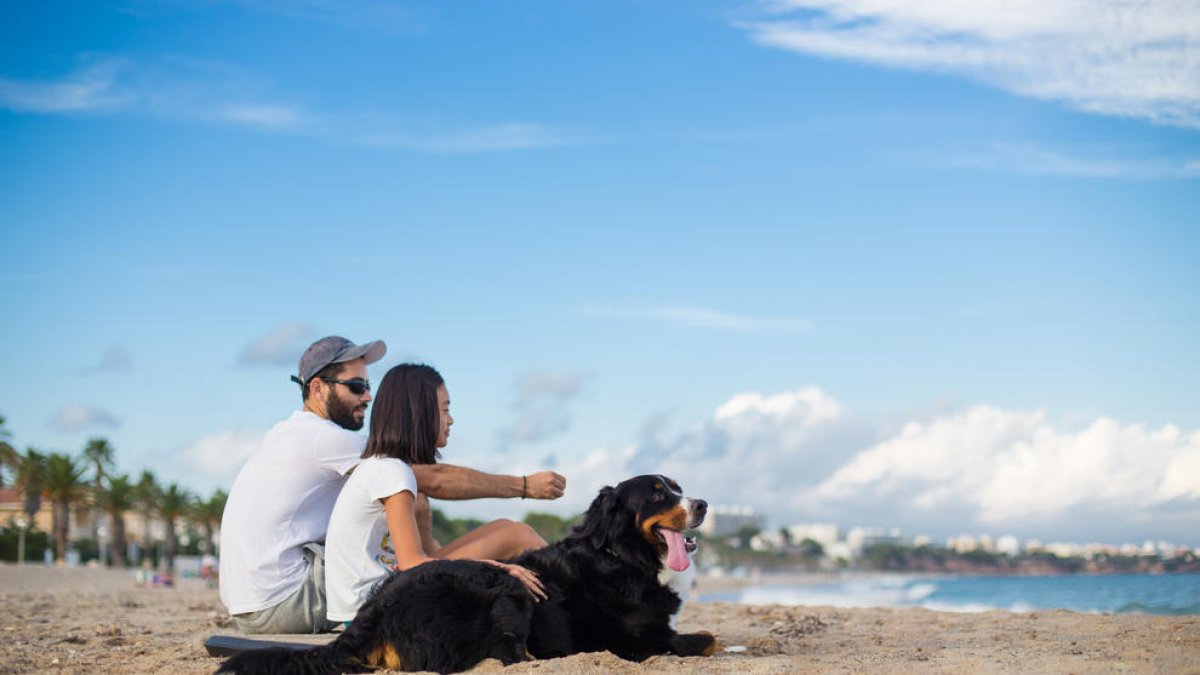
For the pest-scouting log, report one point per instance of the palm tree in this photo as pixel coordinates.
(116, 501)
(30, 483)
(9, 457)
(147, 495)
(64, 484)
(100, 454)
(208, 514)
(175, 502)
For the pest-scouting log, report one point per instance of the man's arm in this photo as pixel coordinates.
(424, 517)
(447, 481)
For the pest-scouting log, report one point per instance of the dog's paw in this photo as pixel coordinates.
(694, 644)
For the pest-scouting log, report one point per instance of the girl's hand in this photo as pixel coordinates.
(531, 581)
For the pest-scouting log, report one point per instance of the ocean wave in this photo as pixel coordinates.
(1142, 594)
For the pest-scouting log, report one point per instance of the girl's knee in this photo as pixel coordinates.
(528, 537)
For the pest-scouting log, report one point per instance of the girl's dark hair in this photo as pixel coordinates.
(405, 418)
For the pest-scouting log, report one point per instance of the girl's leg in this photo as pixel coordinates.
(497, 540)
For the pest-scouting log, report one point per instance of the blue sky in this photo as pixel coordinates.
(876, 263)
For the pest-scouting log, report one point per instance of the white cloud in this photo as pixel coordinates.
(1007, 468)
(542, 404)
(1116, 57)
(701, 318)
(194, 91)
(114, 359)
(219, 456)
(811, 404)
(265, 116)
(1181, 479)
(799, 456)
(769, 451)
(1040, 160)
(388, 133)
(93, 87)
(280, 347)
(77, 417)
(544, 385)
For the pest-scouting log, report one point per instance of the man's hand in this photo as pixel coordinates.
(545, 485)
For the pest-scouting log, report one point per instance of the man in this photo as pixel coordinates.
(272, 576)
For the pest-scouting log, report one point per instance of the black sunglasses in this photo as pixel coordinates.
(357, 386)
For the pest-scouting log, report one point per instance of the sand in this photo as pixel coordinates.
(95, 620)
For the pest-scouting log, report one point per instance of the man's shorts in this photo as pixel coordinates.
(301, 612)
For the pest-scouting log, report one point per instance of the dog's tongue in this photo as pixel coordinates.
(677, 557)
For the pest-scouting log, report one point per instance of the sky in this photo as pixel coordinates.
(912, 264)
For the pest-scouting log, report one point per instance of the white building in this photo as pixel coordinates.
(725, 521)
(1009, 546)
(822, 533)
(861, 538)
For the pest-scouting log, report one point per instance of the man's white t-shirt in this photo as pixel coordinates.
(358, 550)
(280, 501)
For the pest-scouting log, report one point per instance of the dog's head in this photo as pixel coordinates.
(642, 520)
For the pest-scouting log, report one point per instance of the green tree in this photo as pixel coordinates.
(207, 513)
(31, 484)
(175, 502)
(147, 494)
(551, 527)
(65, 486)
(884, 556)
(118, 499)
(744, 534)
(99, 453)
(446, 529)
(811, 552)
(9, 457)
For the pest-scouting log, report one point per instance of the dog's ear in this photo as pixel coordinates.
(609, 526)
(594, 528)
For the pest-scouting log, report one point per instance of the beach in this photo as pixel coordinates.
(98, 620)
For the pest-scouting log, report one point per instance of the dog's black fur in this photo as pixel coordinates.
(446, 616)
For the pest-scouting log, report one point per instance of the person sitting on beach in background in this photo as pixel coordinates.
(374, 530)
(272, 572)
(208, 570)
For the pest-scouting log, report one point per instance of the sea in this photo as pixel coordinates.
(1167, 594)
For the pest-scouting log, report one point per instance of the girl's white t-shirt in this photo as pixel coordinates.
(358, 548)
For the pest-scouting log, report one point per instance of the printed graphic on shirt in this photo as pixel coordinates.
(385, 544)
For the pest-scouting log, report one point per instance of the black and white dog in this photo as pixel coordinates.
(602, 581)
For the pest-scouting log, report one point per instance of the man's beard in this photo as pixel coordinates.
(342, 413)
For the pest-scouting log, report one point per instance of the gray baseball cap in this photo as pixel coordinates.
(335, 349)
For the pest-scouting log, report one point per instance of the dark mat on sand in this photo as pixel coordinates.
(228, 645)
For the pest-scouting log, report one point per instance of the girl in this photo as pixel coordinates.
(374, 527)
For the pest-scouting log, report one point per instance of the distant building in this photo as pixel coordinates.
(839, 550)
(963, 543)
(12, 508)
(1009, 546)
(822, 533)
(767, 541)
(860, 539)
(725, 521)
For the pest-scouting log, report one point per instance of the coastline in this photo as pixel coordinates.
(87, 620)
